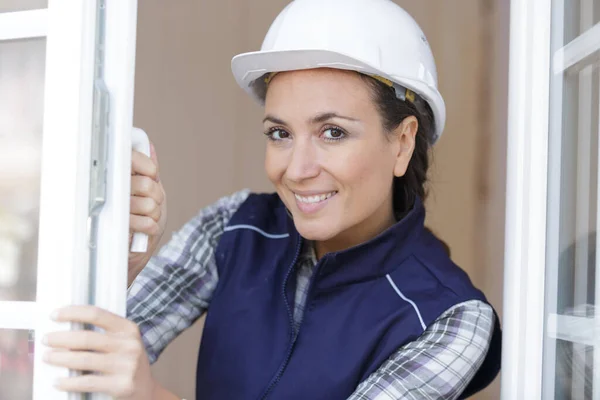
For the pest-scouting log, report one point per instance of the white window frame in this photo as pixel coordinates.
(121, 33)
(70, 30)
(526, 195)
(533, 193)
(63, 250)
(23, 24)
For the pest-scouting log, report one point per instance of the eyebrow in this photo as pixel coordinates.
(320, 118)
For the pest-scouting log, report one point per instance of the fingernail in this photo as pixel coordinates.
(54, 315)
(45, 340)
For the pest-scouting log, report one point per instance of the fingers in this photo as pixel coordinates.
(82, 360)
(144, 186)
(145, 206)
(154, 158)
(142, 224)
(116, 360)
(98, 317)
(144, 165)
(82, 340)
(115, 386)
(83, 383)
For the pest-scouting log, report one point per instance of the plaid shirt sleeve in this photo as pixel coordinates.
(175, 288)
(440, 363)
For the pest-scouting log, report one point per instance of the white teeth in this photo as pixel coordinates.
(314, 199)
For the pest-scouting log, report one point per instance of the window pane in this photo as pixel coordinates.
(22, 5)
(579, 16)
(575, 364)
(578, 157)
(16, 365)
(571, 291)
(575, 290)
(21, 113)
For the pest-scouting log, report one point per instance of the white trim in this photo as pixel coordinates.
(18, 315)
(582, 182)
(113, 232)
(577, 50)
(409, 301)
(596, 246)
(596, 382)
(254, 228)
(525, 247)
(23, 24)
(582, 196)
(581, 330)
(555, 189)
(63, 250)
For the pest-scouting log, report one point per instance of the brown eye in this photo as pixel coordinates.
(277, 134)
(333, 134)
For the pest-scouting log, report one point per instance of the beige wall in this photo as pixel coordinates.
(207, 131)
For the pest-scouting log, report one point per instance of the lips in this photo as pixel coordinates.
(312, 202)
(313, 199)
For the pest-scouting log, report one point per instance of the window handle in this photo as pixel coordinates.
(140, 143)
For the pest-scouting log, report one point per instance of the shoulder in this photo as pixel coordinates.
(221, 210)
(262, 202)
(207, 225)
(431, 256)
(264, 211)
(429, 280)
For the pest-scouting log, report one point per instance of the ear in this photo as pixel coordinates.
(405, 134)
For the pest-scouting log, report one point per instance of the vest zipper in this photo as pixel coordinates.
(277, 376)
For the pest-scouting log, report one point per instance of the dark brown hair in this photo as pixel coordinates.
(393, 111)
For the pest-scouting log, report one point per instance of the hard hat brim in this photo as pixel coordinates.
(248, 67)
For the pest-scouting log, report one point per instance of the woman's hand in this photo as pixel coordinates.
(116, 358)
(148, 208)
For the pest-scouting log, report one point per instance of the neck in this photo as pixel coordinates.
(357, 234)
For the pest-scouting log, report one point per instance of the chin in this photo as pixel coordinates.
(316, 230)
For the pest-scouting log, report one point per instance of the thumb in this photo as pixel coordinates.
(154, 159)
(153, 155)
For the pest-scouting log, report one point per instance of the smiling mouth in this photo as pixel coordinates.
(315, 198)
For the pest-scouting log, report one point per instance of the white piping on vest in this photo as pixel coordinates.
(265, 234)
(412, 303)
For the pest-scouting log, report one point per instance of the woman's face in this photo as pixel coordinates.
(329, 157)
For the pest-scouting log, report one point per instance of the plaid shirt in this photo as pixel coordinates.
(176, 287)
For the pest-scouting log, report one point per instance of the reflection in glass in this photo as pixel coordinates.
(22, 64)
(16, 365)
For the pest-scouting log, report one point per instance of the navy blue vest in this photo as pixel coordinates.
(363, 304)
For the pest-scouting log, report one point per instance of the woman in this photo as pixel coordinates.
(331, 288)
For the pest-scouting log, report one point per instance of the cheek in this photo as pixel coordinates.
(275, 164)
(365, 170)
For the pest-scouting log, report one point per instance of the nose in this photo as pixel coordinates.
(303, 163)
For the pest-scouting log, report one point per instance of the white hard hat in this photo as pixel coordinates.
(374, 37)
